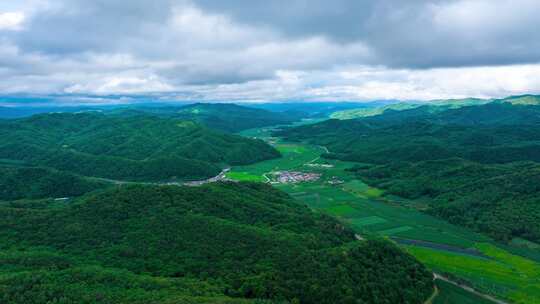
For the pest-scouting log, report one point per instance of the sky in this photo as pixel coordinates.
(260, 50)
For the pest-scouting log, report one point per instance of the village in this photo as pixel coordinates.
(291, 177)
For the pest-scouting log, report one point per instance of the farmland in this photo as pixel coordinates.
(449, 293)
(466, 256)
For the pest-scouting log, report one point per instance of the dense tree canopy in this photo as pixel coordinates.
(220, 116)
(136, 148)
(24, 182)
(143, 244)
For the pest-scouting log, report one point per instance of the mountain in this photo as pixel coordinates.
(521, 100)
(34, 183)
(316, 109)
(219, 243)
(372, 111)
(432, 106)
(20, 112)
(230, 118)
(134, 148)
(221, 116)
(475, 166)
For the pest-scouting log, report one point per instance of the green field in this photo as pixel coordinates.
(451, 294)
(244, 176)
(294, 157)
(370, 212)
(500, 273)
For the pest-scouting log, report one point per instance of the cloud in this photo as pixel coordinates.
(417, 33)
(294, 49)
(379, 83)
(11, 21)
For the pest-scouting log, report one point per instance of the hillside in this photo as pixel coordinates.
(522, 100)
(500, 200)
(220, 116)
(135, 148)
(433, 106)
(34, 183)
(372, 111)
(315, 109)
(448, 160)
(166, 244)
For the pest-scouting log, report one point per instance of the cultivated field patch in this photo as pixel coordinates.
(366, 221)
(393, 231)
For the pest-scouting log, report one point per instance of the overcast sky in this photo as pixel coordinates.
(271, 49)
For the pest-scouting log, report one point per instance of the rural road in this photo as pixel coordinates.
(219, 177)
(318, 157)
(325, 149)
(469, 289)
(433, 296)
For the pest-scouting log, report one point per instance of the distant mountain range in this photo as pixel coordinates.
(432, 106)
(220, 116)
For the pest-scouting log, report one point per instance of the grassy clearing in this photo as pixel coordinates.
(360, 189)
(293, 158)
(244, 176)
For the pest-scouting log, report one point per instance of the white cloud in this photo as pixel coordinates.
(323, 52)
(11, 21)
(376, 83)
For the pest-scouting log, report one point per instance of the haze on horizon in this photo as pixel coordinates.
(208, 50)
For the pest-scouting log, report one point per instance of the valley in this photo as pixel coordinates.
(403, 201)
(456, 252)
(270, 152)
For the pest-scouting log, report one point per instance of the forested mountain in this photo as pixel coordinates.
(432, 106)
(494, 113)
(522, 100)
(372, 111)
(135, 148)
(211, 244)
(220, 116)
(415, 109)
(475, 166)
(33, 183)
(316, 109)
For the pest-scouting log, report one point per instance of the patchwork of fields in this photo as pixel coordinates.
(463, 254)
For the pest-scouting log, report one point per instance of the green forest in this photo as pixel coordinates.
(127, 148)
(218, 243)
(220, 116)
(475, 166)
(35, 183)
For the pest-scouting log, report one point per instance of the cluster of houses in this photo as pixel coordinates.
(291, 177)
